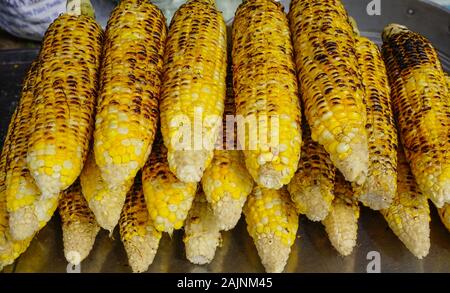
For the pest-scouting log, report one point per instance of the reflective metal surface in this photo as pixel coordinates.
(312, 251)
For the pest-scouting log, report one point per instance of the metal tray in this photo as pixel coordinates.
(312, 252)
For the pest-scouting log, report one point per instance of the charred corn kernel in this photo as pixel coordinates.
(9, 248)
(65, 93)
(202, 232)
(226, 182)
(341, 223)
(266, 92)
(106, 203)
(272, 222)
(421, 102)
(330, 83)
(168, 199)
(409, 214)
(137, 232)
(312, 186)
(380, 187)
(127, 112)
(444, 214)
(193, 92)
(78, 224)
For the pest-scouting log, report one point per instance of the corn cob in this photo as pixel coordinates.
(444, 214)
(106, 203)
(137, 232)
(168, 199)
(330, 83)
(409, 214)
(380, 187)
(78, 224)
(20, 189)
(226, 182)
(9, 248)
(202, 233)
(421, 103)
(127, 112)
(312, 186)
(266, 92)
(272, 222)
(341, 223)
(193, 92)
(64, 97)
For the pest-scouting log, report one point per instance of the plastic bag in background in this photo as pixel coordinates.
(29, 19)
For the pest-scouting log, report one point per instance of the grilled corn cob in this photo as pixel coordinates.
(168, 199)
(380, 187)
(341, 223)
(226, 182)
(444, 214)
(421, 103)
(272, 222)
(78, 224)
(64, 97)
(202, 233)
(312, 186)
(330, 83)
(137, 232)
(409, 214)
(127, 112)
(193, 92)
(21, 191)
(106, 203)
(266, 92)
(9, 248)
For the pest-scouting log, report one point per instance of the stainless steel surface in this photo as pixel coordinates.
(312, 251)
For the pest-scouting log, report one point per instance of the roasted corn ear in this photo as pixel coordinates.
(65, 92)
(78, 224)
(312, 186)
(193, 91)
(330, 83)
(226, 182)
(341, 224)
(409, 214)
(272, 222)
(168, 199)
(266, 92)
(10, 249)
(444, 214)
(106, 203)
(202, 232)
(380, 186)
(137, 232)
(127, 111)
(421, 103)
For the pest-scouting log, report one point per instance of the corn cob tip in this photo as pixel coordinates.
(380, 192)
(23, 223)
(317, 208)
(188, 166)
(392, 29)
(141, 251)
(200, 249)
(355, 166)
(270, 178)
(416, 236)
(354, 25)
(341, 225)
(229, 211)
(79, 238)
(444, 214)
(273, 253)
(107, 210)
